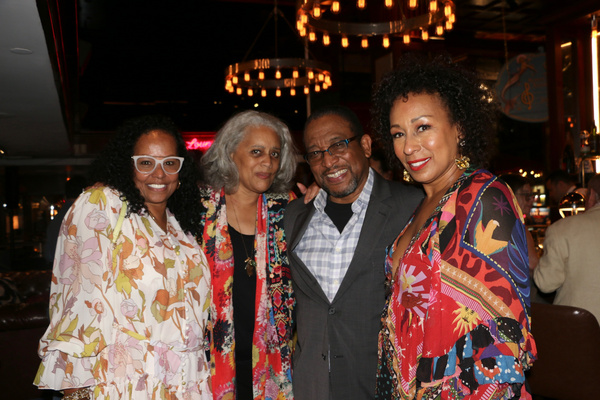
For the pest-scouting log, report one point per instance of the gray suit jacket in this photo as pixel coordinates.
(349, 325)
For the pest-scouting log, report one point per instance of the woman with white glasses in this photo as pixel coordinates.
(130, 285)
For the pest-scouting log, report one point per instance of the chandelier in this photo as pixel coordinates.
(409, 19)
(277, 75)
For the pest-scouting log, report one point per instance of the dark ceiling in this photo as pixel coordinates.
(156, 56)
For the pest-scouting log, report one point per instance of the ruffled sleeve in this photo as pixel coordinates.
(81, 317)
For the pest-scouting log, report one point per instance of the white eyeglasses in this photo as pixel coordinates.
(147, 164)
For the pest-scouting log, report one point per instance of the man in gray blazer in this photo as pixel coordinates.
(336, 247)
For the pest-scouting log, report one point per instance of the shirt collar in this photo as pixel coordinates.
(361, 202)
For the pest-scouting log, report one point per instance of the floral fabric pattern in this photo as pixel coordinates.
(272, 339)
(129, 306)
(457, 322)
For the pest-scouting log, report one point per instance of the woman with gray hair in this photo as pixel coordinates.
(249, 170)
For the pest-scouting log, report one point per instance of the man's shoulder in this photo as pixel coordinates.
(296, 206)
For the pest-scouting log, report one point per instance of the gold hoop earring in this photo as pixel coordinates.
(462, 162)
(406, 176)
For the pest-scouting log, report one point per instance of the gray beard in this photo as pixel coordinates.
(352, 185)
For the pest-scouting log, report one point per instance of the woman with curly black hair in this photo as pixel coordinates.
(130, 283)
(457, 317)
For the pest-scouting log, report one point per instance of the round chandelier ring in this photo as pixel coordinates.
(379, 28)
(310, 72)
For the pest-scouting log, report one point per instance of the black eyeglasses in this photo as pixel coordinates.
(336, 149)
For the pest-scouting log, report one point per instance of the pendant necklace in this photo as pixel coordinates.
(250, 262)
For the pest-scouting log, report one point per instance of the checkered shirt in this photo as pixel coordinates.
(324, 250)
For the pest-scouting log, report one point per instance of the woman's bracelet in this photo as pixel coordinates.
(80, 394)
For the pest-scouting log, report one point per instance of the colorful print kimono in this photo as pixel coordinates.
(271, 344)
(129, 306)
(457, 322)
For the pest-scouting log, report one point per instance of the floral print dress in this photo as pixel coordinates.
(128, 308)
(457, 321)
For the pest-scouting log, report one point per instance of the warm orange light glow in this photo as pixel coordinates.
(386, 41)
(292, 92)
(312, 36)
(321, 77)
(278, 92)
(448, 25)
(361, 4)
(246, 76)
(261, 75)
(424, 35)
(234, 80)
(439, 30)
(317, 10)
(452, 18)
(389, 3)
(306, 90)
(238, 91)
(447, 9)
(263, 93)
(317, 88)
(344, 41)
(406, 38)
(326, 39)
(295, 74)
(433, 6)
(412, 4)
(250, 92)
(364, 42)
(335, 7)
(311, 74)
(278, 74)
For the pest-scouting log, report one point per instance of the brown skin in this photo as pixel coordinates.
(426, 143)
(158, 186)
(257, 158)
(342, 177)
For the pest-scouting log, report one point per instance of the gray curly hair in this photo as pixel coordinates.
(219, 169)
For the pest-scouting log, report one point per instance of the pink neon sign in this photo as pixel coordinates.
(196, 144)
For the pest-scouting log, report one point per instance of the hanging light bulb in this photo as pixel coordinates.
(326, 39)
(261, 75)
(328, 80)
(406, 38)
(246, 76)
(299, 25)
(325, 85)
(311, 74)
(278, 92)
(228, 83)
(448, 25)
(452, 18)
(304, 19)
(250, 92)
(439, 30)
(389, 3)
(344, 41)
(433, 6)
(317, 10)
(361, 4)
(321, 77)
(295, 73)
(386, 41)
(335, 7)
(317, 88)
(424, 34)
(263, 93)
(230, 90)
(312, 36)
(306, 90)
(239, 91)
(292, 92)
(364, 42)
(278, 74)
(234, 80)
(412, 4)
(447, 10)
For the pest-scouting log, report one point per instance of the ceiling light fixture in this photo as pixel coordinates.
(277, 74)
(401, 18)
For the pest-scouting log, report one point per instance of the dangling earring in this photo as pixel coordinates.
(406, 177)
(179, 184)
(462, 162)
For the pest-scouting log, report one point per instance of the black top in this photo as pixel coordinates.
(340, 214)
(244, 295)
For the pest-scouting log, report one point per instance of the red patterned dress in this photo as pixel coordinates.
(457, 319)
